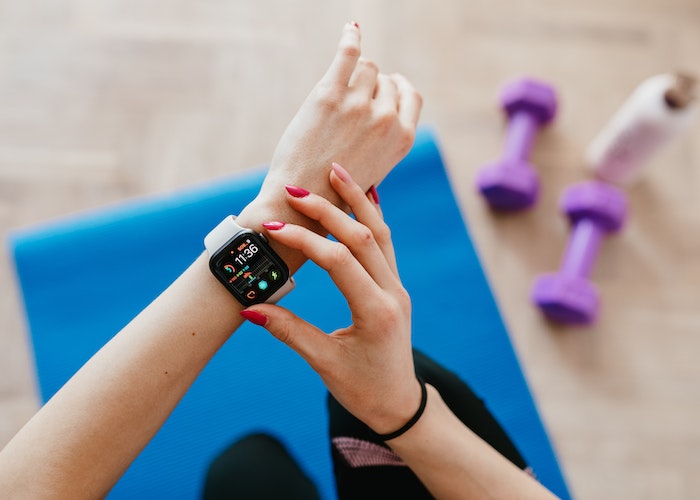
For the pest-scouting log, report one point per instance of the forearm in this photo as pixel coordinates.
(453, 462)
(84, 438)
(120, 398)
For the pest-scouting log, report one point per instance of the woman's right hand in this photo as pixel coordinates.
(368, 365)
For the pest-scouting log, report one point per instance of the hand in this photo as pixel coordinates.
(367, 366)
(354, 115)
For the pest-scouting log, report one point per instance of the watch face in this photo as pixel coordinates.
(249, 268)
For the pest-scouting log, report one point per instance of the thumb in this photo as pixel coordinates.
(304, 338)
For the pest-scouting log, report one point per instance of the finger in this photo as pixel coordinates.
(410, 101)
(346, 56)
(304, 338)
(365, 206)
(356, 236)
(351, 278)
(386, 244)
(364, 79)
(387, 93)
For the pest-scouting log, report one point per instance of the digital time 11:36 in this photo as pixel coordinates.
(247, 250)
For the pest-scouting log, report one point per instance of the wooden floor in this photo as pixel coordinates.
(103, 100)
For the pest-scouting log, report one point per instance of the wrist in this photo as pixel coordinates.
(266, 209)
(271, 205)
(435, 410)
(388, 436)
(312, 176)
(399, 412)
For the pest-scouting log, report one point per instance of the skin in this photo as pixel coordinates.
(368, 365)
(120, 398)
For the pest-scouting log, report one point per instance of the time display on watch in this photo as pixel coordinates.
(249, 268)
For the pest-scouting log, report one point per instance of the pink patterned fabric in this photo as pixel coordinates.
(359, 453)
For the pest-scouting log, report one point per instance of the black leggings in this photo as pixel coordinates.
(259, 467)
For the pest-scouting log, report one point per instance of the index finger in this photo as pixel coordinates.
(346, 56)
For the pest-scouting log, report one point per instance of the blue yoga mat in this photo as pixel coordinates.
(84, 277)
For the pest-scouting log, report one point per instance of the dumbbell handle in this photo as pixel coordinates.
(522, 128)
(582, 249)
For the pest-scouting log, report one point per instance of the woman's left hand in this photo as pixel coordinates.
(354, 115)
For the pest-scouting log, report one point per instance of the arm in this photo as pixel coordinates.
(84, 438)
(368, 366)
(453, 462)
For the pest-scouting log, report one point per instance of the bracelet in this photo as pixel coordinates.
(414, 418)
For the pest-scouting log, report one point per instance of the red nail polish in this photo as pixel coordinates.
(273, 225)
(296, 191)
(254, 317)
(341, 173)
(373, 193)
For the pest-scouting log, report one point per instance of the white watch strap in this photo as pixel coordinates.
(219, 236)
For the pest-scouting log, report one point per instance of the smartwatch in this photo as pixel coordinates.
(245, 263)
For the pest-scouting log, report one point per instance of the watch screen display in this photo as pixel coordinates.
(250, 269)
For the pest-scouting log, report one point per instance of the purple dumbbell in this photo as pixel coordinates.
(595, 210)
(511, 182)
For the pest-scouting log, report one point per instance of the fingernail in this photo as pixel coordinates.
(373, 193)
(273, 225)
(341, 172)
(254, 317)
(296, 191)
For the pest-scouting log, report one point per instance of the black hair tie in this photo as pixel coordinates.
(414, 418)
